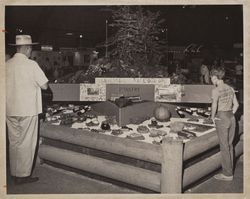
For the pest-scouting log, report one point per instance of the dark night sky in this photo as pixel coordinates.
(204, 24)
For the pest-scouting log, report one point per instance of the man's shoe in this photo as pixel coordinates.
(24, 180)
(221, 176)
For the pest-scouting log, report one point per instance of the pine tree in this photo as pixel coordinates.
(136, 41)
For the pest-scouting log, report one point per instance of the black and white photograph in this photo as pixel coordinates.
(124, 98)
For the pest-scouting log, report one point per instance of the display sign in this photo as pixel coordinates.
(168, 93)
(92, 92)
(163, 81)
(144, 92)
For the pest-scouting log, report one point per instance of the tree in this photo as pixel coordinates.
(136, 41)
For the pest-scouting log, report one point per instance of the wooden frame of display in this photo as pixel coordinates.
(171, 155)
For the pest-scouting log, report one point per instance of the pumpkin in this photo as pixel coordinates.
(162, 114)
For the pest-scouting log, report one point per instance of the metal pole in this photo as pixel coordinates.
(166, 30)
(106, 43)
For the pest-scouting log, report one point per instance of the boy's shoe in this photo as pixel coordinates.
(221, 176)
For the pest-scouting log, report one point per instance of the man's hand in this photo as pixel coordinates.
(44, 86)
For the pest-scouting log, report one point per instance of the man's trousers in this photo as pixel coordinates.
(22, 133)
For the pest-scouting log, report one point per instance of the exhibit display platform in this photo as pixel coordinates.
(133, 150)
(172, 156)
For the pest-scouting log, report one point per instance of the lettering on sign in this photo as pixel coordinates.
(138, 91)
(129, 90)
(102, 80)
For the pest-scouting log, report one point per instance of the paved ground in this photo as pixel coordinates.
(215, 186)
(58, 181)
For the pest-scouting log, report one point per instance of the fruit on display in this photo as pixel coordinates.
(191, 134)
(154, 122)
(184, 134)
(176, 126)
(180, 113)
(136, 136)
(90, 115)
(95, 121)
(203, 112)
(208, 121)
(116, 132)
(162, 114)
(86, 128)
(126, 128)
(156, 142)
(66, 121)
(197, 128)
(105, 125)
(190, 111)
(155, 126)
(81, 118)
(156, 133)
(92, 123)
(142, 129)
(95, 130)
(193, 119)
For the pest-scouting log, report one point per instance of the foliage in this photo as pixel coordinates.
(136, 41)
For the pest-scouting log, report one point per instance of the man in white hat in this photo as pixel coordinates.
(24, 81)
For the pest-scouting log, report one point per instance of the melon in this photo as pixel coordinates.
(162, 114)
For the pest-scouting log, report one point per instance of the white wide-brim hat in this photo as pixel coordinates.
(23, 40)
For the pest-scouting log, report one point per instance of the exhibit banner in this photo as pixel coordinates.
(92, 92)
(154, 81)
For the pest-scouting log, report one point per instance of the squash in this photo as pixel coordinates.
(162, 114)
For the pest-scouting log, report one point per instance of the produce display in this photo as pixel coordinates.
(150, 130)
(193, 113)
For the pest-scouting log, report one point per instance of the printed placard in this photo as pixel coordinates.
(92, 92)
(169, 93)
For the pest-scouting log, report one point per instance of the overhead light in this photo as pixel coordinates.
(80, 36)
(69, 33)
(47, 48)
(19, 30)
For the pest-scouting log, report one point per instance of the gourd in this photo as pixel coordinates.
(162, 114)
